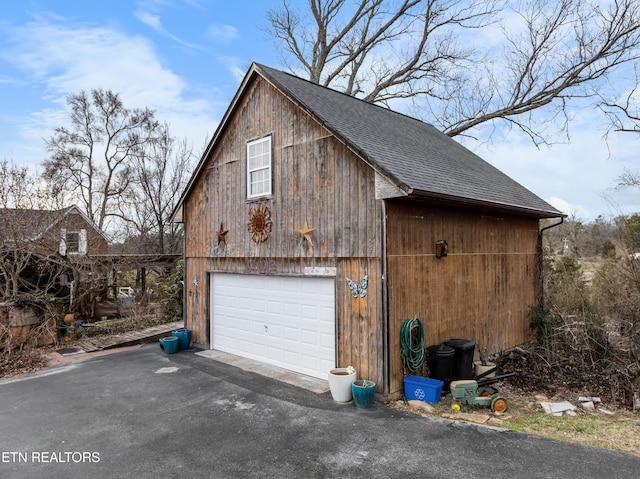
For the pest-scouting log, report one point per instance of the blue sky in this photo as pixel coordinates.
(185, 59)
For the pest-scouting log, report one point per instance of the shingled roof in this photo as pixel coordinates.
(418, 159)
(19, 224)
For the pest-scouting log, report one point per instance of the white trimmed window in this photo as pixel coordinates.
(73, 242)
(259, 168)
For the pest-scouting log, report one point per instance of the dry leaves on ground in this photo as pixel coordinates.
(21, 362)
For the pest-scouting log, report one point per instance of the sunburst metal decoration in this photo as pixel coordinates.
(259, 224)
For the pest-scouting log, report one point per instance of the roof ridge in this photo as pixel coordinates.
(349, 97)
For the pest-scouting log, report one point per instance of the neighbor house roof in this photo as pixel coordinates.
(21, 224)
(413, 155)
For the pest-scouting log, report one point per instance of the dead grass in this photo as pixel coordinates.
(620, 431)
(19, 362)
(123, 325)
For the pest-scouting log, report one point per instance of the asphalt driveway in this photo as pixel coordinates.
(144, 414)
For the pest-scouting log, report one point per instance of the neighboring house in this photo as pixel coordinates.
(67, 231)
(45, 253)
(44, 250)
(316, 223)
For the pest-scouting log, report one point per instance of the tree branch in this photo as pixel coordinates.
(547, 53)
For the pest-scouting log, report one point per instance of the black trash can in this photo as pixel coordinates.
(463, 360)
(440, 359)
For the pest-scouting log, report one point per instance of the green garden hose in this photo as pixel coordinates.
(412, 344)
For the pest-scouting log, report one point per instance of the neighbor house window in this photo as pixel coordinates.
(259, 168)
(73, 242)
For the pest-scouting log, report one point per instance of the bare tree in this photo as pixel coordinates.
(599, 238)
(628, 179)
(530, 54)
(91, 159)
(159, 174)
(24, 268)
(21, 188)
(568, 238)
(379, 50)
(623, 111)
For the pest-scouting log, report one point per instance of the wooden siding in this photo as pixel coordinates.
(315, 180)
(360, 327)
(481, 291)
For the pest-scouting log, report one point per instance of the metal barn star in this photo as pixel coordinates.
(306, 232)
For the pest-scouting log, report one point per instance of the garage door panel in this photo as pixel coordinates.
(290, 309)
(275, 352)
(309, 337)
(327, 340)
(285, 321)
(291, 334)
(275, 332)
(291, 358)
(258, 305)
(274, 307)
(309, 311)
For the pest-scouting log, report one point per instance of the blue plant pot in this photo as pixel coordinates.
(363, 391)
(184, 338)
(170, 344)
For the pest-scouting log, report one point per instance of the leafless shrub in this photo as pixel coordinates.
(586, 334)
(616, 292)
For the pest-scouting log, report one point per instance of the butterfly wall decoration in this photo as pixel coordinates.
(359, 289)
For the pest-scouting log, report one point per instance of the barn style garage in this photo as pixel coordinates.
(316, 223)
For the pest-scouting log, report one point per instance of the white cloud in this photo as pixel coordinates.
(575, 177)
(154, 22)
(59, 59)
(571, 210)
(224, 34)
(68, 59)
(235, 66)
(151, 20)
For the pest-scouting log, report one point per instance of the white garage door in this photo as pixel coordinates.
(285, 321)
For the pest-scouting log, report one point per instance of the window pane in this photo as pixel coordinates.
(260, 182)
(73, 242)
(257, 162)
